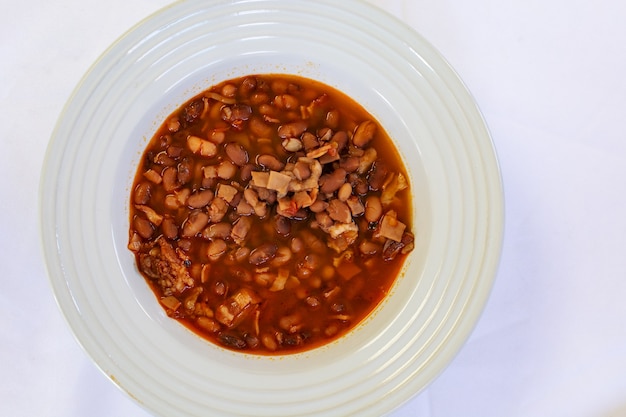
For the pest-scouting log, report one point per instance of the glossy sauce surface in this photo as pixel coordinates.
(270, 214)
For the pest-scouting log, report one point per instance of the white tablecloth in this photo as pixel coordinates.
(549, 76)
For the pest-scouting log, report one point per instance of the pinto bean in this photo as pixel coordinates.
(143, 227)
(282, 225)
(270, 162)
(162, 158)
(373, 208)
(292, 144)
(200, 199)
(364, 133)
(259, 128)
(286, 102)
(344, 192)
(283, 255)
(196, 221)
(170, 179)
(236, 153)
(302, 170)
(217, 231)
(376, 177)
(263, 254)
(339, 211)
(247, 85)
(329, 183)
(184, 172)
(341, 139)
(142, 193)
(310, 141)
(169, 227)
(318, 206)
(292, 130)
(332, 119)
(216, 249)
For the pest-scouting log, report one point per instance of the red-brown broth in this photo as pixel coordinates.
(246, 250)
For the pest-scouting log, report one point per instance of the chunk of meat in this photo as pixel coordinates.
(167, 267)
(390, 227)
(237, 307)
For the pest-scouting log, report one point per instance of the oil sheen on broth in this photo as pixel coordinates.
(270, 214)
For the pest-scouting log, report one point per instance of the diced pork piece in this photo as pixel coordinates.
(237, 307)
(390, 227)
(279, 182)
(164, 265)
(394, 183)
(226, 192)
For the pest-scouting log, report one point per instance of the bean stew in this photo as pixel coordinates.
(270, 214)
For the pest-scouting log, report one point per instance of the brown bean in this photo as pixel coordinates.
(196, 221)
(302, 170)
(200, 199)
(364, 133)
(216, 249)
(324, 134)
(245, 173)
(297, 245)
(282, 225)
(269, 341)
(369, 248)
(208, 324)
(142, 193)
(258, 98)
(174, 151)
(162, 158)
(332, 119)
(232, 341)
(170, 179)
(373, 208)
(217, 231)
(318, 206)
(279, 86)
(286, 102)
(184, 172)
(248, 85)
(262, 254)
(259, 128)
(309, 140)
(349, 163)
(292, 130)
(169, 227)
(329, 183)
(143, 227)
(229, 90)
(290, 323)
(270, 162)
(344, 192)
(283, 255)
(242, 253)
(292, 144)
(376, 177)
(237, 153)
(339, 211)
(312, 261)
(341, 139)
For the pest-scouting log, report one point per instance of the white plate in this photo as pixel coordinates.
(185, 49)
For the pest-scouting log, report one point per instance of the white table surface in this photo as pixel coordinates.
(549, 76)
